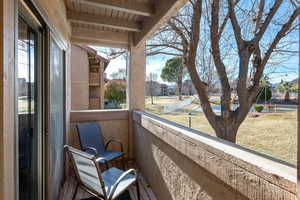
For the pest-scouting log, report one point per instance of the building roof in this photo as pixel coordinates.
(93, 52)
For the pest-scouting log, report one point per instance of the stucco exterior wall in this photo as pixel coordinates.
(114, 124)
(173, 176)
(182, 164)
(79, 79)
(54, 14)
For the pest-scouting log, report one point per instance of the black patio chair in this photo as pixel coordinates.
(91, 141)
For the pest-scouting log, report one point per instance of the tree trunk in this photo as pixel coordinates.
(179, 90)
(151, 92)
(152, 99)
(227, 131)
(287, 96)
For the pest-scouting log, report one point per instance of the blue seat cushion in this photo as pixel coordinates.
(111, 176)
(109, 155)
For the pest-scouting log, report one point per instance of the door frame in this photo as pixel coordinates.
(40, 22)
(25, 13)
(51, 35)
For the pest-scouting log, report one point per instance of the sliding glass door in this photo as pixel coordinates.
(28, 112)
(40, 100)
(56, 115)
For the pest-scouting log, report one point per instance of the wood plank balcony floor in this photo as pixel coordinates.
(145, 190)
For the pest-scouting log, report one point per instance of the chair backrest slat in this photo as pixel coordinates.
(90, 135)
(86, 170)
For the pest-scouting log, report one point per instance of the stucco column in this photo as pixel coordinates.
(101, 70)
(136, 77)
(135, 87)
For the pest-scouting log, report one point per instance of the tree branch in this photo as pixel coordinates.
(214, 35)
(284, 29)
(260, 68)
(235, 25)
(179, 32)
(183, 25)
(165, 45)
(267, 21)
(162, 52)
(259, 15)
(223, 25)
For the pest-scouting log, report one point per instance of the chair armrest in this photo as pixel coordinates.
(91, 148)
(100, 159)
(114, 187)
(116, 141)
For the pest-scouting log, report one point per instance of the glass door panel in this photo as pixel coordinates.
(56, 124)
(27, 111)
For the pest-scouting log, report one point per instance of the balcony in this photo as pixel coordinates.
(181, 163)
(175, 162)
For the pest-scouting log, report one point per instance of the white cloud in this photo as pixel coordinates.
(114, 65)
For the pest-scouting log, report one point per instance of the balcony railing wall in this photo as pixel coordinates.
(181, 163)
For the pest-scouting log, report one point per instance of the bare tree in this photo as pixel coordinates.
(242, 38)
(120, 74)
(251, 50)
(112, 53)
(152, 78)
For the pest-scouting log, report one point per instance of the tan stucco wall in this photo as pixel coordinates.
(114, 124)
(54, 13)
(172, 175)
(79, 79)
(180, 163)
(110, 129)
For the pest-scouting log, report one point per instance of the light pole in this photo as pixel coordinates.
(190, 119)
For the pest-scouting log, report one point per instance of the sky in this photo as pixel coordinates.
(156, 63)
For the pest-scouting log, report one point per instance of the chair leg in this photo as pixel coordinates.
(123, 161)
(138, 190)
(106, 165)
(75, 192)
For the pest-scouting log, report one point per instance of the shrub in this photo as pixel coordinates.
(270, 107)
(115, 92)
(258, 108)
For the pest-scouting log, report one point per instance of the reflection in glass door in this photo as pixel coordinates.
(56, 115)
(27, 104)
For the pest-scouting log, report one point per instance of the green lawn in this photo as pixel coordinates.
(23, 104)
(274, 134)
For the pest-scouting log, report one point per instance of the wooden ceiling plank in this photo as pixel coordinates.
(103, 21)
(164, 10)
(132, 6)
(93, 42)
(105, 36)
